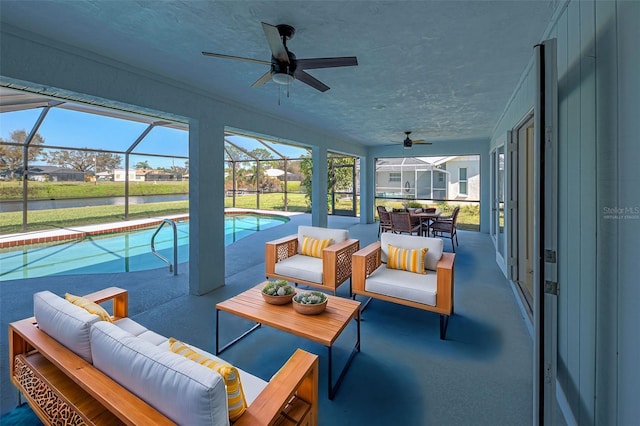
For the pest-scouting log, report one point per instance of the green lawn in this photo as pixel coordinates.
(12, 190)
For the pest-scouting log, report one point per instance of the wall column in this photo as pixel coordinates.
(367, 189)
(319, 184)
(206, 206)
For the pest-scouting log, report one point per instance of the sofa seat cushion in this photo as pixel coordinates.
(302, 267)
(337, 235)
(435, 246)
(403, 285)
(184, 391)
(252, 385)
(67, 323)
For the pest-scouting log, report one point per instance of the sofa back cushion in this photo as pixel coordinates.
(65, 322)
(184, 391)
(337, 235)
(435, 246)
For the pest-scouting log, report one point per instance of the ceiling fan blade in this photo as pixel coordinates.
(310, 80)
(262, 80)
(421, 141)
(275, 42)
(239, 58)
(314, 63)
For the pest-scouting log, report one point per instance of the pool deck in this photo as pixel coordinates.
(79, 232)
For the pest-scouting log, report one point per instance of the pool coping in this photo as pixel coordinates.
(61, 234)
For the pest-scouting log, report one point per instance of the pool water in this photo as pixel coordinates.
(123, 252)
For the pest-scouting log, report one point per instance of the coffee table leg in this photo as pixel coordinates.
(234, 341)
(333, 389)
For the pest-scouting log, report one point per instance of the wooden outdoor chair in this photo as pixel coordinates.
(385, 220)
(401, 223)
(431, 291)
(286, 258)
(446, 227)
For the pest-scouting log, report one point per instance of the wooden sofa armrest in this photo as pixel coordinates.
(444, 283)
(336, 262)
(25, 338)
(118, 296)
(299, 377)
(278, 250)
(365, 261)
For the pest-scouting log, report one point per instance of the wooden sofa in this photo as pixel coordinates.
(62, 388)
(327, 273)
(370, 259)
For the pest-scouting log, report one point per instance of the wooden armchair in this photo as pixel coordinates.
(432, 291)
(284, 258)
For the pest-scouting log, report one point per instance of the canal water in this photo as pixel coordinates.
(16, 206)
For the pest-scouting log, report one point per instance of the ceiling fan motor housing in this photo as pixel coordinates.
(281, 67)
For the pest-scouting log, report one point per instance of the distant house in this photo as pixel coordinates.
(119, 175)
(55, 174)
(161, 175)
(429, 178)
(464, 176)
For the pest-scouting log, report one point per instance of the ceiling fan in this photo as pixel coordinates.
(284, 67)
(408, 143)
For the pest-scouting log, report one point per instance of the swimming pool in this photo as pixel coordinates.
(123, 252)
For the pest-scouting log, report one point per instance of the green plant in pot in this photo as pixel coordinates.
(310, 302)
(278, 292)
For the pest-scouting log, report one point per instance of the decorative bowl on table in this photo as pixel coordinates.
(310, 302)
(278, 292)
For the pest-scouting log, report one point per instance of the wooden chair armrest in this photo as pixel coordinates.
(299, 376)
(365, 261)
(444, 282)
(119, 296)
(336, 262)
(278, 250)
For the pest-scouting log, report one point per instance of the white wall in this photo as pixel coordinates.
(598, 206)
(472, 164)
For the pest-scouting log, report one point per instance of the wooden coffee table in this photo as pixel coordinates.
(324, 328)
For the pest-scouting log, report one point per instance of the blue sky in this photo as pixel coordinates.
(63, 127)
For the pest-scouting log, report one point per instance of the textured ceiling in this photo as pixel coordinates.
(443, 69)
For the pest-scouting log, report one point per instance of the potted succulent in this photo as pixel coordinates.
(310, 302)
(278, 292)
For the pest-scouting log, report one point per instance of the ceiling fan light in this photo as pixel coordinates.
(282, 78)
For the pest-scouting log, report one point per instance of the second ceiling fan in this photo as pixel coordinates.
(408, 143)
(284, 66)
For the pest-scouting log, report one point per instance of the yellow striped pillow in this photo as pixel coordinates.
(89, 306)
(411, 260)
(313, 246)
(235, 395)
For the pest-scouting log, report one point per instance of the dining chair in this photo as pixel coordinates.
(446, 227)
(402, 223)
(385, 220)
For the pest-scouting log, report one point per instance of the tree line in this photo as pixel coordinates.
(81, 159)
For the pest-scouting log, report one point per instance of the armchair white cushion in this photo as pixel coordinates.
(337, 235)
(435, 246)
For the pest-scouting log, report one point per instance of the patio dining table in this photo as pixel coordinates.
(425, 217)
